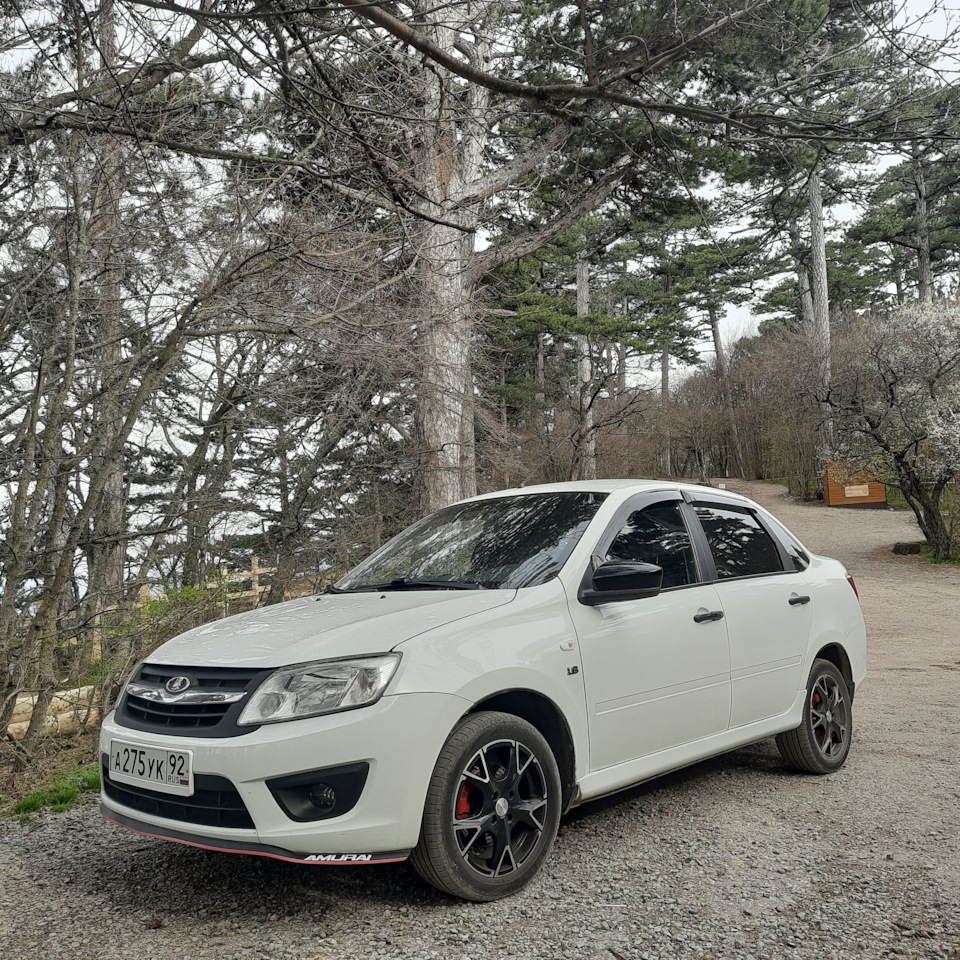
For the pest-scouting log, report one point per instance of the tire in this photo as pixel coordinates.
(492, 809)
(822, 741)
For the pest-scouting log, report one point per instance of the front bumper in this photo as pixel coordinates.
(399, 736)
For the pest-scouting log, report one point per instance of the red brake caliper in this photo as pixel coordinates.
(463, 802)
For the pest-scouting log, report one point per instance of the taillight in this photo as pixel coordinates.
(852, 584)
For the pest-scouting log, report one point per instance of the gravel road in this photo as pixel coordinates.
(733, 858)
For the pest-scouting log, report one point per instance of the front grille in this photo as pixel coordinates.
(189, 718)
(215, 801)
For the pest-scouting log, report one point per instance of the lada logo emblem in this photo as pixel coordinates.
(177, 684)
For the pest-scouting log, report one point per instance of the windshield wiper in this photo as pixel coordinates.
(402, 583)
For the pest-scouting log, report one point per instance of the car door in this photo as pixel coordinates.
(657, 669)
(766, 607)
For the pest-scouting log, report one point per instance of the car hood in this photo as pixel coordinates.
(322, 627)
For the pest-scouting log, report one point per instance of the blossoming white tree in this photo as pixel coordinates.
(898, 406)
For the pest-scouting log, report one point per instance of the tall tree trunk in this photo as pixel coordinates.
(667, 462)
(586, 455)
(109, 550)
(443, 345)
(504, 422)
(821, 311)
(55, 539)
(539, 414)
(622, 354)
(468, 447)
(194, 548)
(447, 143)
(924, 269)
(667, 431)
(803, 277)
(806, 294)
(540, 397)
(285, 540)
(448, 163)
(726, 390)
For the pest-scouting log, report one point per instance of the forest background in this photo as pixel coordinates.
(278, 277)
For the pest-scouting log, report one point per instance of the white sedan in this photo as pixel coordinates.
(494, 665)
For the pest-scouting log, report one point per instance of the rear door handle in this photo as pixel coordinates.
(711, 615)
(798, 601)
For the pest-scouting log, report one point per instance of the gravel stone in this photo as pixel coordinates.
(736, 857)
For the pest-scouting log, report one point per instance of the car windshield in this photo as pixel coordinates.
(502, 543)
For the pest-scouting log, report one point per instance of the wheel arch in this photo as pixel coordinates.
(835, 653)
(542, 713)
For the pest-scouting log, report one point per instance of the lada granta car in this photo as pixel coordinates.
(494, 665)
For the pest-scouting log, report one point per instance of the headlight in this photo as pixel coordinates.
(309, 689)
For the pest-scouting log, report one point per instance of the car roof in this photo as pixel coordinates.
(615, 486)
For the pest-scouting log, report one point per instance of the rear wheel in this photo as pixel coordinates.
(822, 741)
(492, 809)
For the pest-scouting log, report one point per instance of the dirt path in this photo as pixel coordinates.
(912, 607)
(734, 858)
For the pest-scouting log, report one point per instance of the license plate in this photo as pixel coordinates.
(169, 771)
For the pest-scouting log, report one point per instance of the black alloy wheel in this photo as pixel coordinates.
(500, 808)
(492, 810)
(822, 741)
(829, 717)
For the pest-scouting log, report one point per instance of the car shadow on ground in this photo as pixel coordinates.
(179, 884)
(756, 759)
(168, 877)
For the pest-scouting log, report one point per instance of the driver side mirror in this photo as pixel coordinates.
(618, 580)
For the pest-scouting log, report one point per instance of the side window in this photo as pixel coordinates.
(799, 556)
(740, 546)
(657, 535)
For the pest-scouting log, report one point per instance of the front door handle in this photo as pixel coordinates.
(710, 615)
(798, 601)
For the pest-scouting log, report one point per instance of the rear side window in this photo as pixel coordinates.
(740, 546)
(657, 535)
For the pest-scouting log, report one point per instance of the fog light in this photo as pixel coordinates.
(320, 794)
(323, 797)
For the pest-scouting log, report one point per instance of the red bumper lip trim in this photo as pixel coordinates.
(254, 853)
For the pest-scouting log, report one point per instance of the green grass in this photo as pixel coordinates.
(895, 498)
(31, 802)
(67, 788)
(927, 555)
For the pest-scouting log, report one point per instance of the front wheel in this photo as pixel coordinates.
(822, 741)
(492, 809)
